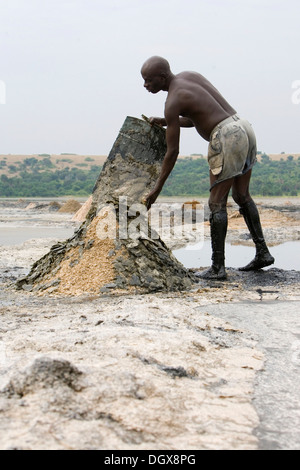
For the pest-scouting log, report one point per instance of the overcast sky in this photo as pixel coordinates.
(71, 68)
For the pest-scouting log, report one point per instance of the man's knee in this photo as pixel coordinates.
(241, 198)
(216, 207)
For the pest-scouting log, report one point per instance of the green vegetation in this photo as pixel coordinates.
(65, 160)
(269, 178)
(73, 182)
(276, 178)
(190, 177)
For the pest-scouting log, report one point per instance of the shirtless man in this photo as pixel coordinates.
(193, 101)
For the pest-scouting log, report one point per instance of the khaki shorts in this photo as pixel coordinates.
(232, 149)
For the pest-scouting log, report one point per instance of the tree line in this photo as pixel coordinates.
(66, 182)
(190, 177)
(269, 178)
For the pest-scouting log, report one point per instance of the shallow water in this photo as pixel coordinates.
(286, 255)
(17, 235)
(192, 256)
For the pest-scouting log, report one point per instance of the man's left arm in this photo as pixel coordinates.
(184, 121)
(172, 137)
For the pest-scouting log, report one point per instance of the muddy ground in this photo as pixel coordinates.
(188, 370)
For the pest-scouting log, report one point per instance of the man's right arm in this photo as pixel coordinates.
(172, 139)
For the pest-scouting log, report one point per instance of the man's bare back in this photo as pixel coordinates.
(192, 96)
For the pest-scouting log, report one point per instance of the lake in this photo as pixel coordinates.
(192, 256)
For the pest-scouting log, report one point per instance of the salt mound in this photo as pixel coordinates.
(31, 205)
(100, 258)
(54, 206)
(82, 213)
(70, 207)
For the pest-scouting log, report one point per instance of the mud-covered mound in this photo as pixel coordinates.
(97, 258)
(89, 264)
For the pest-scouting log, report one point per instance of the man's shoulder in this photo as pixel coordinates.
(188, 82)
(191, 76)
(184, 87)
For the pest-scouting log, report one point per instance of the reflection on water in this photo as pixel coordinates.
(286, 255)
(18, 235)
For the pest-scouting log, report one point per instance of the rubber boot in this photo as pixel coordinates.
(263, 257)
(218, 229)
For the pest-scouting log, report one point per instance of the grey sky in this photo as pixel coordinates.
(72, 68)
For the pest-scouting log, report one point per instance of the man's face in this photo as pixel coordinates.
(153, 82)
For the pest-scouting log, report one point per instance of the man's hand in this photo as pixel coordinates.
(151, 198)
(157, 120)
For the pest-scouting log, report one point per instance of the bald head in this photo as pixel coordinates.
(157, 65)
(157, 74)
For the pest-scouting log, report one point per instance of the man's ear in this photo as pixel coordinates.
(163, 77)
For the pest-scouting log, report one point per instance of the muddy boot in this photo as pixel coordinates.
(218, 229)
(263, 257)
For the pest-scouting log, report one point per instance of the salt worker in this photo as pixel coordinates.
(193, 101)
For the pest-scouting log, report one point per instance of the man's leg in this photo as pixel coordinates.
(241, 195)
(218, 228)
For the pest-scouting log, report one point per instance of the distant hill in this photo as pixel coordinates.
(272, 156)
(273, 175)
(280, 156)
(75, 175)
(48, 175)
(13, 165)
